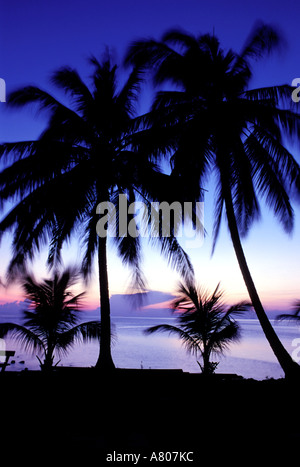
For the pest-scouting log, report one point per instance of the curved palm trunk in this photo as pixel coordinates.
(105, 360)
(290, 368)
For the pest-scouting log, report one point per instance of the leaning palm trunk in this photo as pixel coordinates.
(290, 368)
(105, 360)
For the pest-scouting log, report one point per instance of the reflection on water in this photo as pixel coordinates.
(252, 357)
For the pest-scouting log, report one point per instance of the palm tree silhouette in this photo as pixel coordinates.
(224, 128)
(205, 326)
(90, 152)
(51, 323)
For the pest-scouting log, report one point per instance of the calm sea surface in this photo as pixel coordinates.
(251, 357)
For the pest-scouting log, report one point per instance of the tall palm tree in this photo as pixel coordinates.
(90, 152)
(225, 128)
(205, 326)
(51, 323)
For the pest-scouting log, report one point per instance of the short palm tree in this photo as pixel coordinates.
(88, 154)
(223, 127)
(205, 325)
(51, 324)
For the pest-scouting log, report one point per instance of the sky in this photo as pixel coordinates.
(38, 37)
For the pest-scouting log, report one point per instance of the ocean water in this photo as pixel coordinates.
(251, 357)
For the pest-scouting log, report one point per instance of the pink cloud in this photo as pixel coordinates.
(161, 305)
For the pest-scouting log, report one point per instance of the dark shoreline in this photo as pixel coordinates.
(84, 411)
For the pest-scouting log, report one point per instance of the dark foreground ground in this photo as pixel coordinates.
(83, 417)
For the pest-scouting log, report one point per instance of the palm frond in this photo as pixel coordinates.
(81, 333)
(33, 95)
(218, 213)
(69, 80)
(180, 38)
(191, 344)
(11, 152)
(90, 244)
(145, 54)
(262, 40)
(221, 338)
(175, 255)
(28, 340)
(293, 317)
(187, 296)
(272, 95)
(270, 180)
(129, 94)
